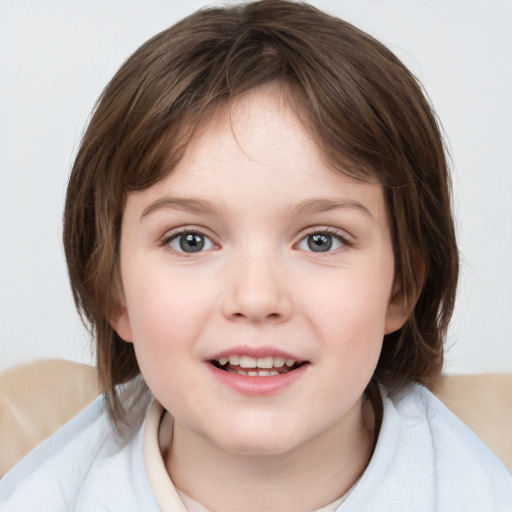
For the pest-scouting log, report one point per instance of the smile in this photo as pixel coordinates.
(268, 366)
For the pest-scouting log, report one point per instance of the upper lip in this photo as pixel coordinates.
(255, 352)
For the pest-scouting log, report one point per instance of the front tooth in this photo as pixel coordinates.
(279, 362)
(234, 360)
(290, 362)
(223, 360)
(265, 362)
(247, 362)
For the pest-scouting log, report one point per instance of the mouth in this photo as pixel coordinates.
(268, 366)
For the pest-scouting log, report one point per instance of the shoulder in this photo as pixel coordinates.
(83, 465)
(421, 413)
(426, 459)
(466, 473)
(64, 457)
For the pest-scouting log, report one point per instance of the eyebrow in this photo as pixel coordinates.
(306, 207)
(311, 206)
(198, 206)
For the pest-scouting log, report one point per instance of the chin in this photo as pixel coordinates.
(270, 441)
(259, 450)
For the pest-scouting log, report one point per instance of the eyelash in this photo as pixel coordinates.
(341, 237)
(166, 241)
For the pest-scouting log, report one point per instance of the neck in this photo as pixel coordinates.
(307, 477)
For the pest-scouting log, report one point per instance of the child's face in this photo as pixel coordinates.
(253, 247)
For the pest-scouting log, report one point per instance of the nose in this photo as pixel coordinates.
(256, 290)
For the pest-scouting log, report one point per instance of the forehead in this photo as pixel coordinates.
(255, 148)
(259, 126)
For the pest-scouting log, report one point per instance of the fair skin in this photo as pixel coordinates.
(254, 247)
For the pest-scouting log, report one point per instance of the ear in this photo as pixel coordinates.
(400, 306)
(120, 322)
(119, 319)
(398, 310)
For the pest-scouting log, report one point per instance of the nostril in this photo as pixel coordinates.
(271, 316)
(255, 307)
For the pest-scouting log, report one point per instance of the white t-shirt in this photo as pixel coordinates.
(425, 460)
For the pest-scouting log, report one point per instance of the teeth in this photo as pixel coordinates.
(247, 362)
(279, 362)
(266, 363)
(234, 360)
(255, 373)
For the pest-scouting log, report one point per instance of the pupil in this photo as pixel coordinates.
(320, 242)
(191, 242)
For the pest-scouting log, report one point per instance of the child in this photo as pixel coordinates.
(258, 230)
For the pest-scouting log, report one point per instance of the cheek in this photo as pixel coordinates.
(168, 319)
(352, 335)
(353, 303)
(165, 330)
(350, 315)
(160, 304)
(161, 318)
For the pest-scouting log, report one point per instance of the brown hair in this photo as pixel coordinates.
(366, 111)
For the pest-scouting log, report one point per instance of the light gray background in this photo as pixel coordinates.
(56, 56)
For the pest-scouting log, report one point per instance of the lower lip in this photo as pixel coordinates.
(257, 386)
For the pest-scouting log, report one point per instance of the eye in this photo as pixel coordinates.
(189, 242)
(322, 242)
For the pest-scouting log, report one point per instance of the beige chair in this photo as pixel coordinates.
(36, 399)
